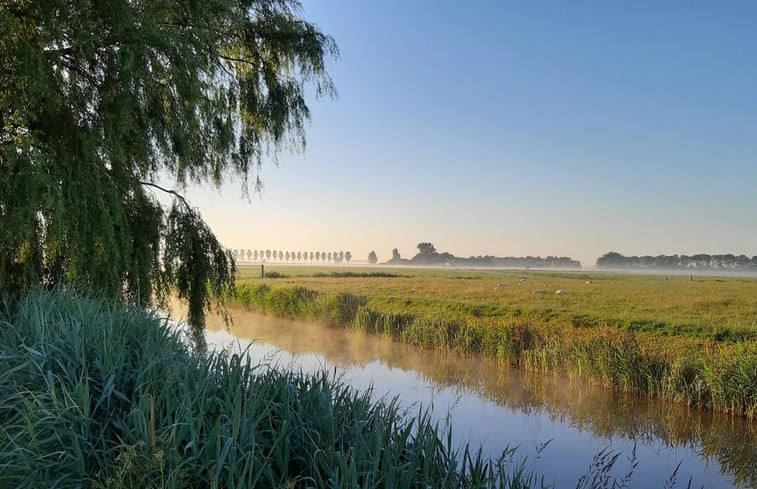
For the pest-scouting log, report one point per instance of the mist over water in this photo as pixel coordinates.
(499, 407)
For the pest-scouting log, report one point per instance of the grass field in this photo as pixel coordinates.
(723, 309)
(691, 340)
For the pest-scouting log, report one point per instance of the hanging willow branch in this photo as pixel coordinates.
(98, 98)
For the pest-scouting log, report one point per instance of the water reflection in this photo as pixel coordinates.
(501, 407)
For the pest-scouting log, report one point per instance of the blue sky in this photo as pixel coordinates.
(519, 128)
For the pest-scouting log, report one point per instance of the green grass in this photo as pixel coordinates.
(94, 395)
(692, 341)
(723, 309)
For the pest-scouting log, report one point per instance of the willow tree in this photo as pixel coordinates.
(103, 102)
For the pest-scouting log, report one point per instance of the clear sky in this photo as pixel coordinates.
(519, 128)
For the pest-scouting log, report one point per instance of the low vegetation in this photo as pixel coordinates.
(693, 341)
(357, 275)
(94, 395)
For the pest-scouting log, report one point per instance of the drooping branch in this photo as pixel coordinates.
(168, 191)
(96, 102)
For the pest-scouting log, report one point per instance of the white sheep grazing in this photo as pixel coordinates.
(539, 292)
(588, 282)
(561, 292)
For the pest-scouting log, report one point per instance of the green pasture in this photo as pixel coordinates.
(718, 308)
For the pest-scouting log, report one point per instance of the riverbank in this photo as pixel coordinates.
(496, 406)
(691, 342)
(97, 395)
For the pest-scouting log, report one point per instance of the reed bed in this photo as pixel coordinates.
(98, 395)
(718, 375)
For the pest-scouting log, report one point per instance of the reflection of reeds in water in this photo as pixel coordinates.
(589, 406)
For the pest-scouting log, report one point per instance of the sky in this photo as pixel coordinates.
(518, 128)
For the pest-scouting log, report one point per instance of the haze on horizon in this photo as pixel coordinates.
(515, 129)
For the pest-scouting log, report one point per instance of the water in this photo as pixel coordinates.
(499, 407)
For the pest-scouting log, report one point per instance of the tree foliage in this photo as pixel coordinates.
(426, 248)
(613, 259)
(101, 101)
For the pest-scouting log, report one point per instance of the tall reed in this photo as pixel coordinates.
(95, 395)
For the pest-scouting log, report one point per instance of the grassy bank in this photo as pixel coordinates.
(646, 346)
(93, 395)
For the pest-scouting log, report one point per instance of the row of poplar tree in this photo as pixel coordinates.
(292, 256)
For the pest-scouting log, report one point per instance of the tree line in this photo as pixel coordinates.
(700, 261)
(281, 256)
(428, 256)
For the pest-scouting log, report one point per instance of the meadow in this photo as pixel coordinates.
(691, 340)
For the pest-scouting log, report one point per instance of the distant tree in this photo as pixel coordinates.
(699, 261)
(317, 256)
(256, 254)
(328, 255)
(268, 255)
(426, 248)
(372, 258)
(348, 256)
(249, 255)
(286, 256)
(611, 259)
(312, 256)
(396, 254)
(299, 256)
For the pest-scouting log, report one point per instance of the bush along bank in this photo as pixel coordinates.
(96, 395)
(718, 376)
